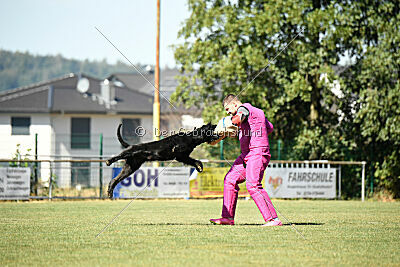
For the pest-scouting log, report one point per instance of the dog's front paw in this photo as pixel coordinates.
(199, 166)
(108, 163)
(110, 191)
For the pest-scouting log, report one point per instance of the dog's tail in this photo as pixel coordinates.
(123, 143)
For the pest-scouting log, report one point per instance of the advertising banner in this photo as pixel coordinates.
(15, 183)
(210, 183)
(288, 182)
(172, 182)
(279, 182)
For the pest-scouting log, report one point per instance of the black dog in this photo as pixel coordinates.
(177, 146)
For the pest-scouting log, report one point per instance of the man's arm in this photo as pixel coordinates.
(218, 140)
(241, 115)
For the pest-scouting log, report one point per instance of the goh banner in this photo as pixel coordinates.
(289, 182)
(15, 183)
(172, 182)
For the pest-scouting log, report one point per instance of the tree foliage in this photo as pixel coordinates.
(301, 43)
(19, 69)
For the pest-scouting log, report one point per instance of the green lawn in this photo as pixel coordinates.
(177, 232)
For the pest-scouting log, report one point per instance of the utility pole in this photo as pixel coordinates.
(156, 105)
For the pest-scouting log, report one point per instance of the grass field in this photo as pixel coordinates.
(177, 232)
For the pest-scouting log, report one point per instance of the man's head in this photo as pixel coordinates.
(231, 104)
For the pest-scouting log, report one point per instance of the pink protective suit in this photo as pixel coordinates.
(250, 165)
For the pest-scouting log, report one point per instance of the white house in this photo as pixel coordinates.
(172, 117)
(77, 116)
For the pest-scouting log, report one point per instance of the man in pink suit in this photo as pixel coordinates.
(251, 163)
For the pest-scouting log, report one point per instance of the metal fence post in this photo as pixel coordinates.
(363, 181)
(36, 165)
(221, 152)
(372, 181)
(101, 167)
(50, 181)
(340, 181)
(279, 149)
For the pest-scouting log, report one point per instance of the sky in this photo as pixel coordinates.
(67, 27)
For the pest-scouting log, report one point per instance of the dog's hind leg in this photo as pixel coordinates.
(191, 161)
(126, 171)
(130, 167)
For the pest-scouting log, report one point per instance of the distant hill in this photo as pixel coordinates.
(19, 69)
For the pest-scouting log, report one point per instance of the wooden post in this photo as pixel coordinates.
(156, 105)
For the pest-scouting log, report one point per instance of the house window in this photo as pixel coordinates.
(130, 130)
(20, 125)
(80, 174)
(80, 133)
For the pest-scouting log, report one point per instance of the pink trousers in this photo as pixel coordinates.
(253, 175)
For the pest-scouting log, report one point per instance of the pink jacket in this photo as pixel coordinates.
(253, 134)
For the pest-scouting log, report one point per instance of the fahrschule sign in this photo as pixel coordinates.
(287, 182)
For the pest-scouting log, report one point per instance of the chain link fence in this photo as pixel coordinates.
(88, 178)
(75, 164)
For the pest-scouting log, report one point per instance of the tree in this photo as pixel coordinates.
(372, 117)
(19, 69)
(232, 43)
(228, 44)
